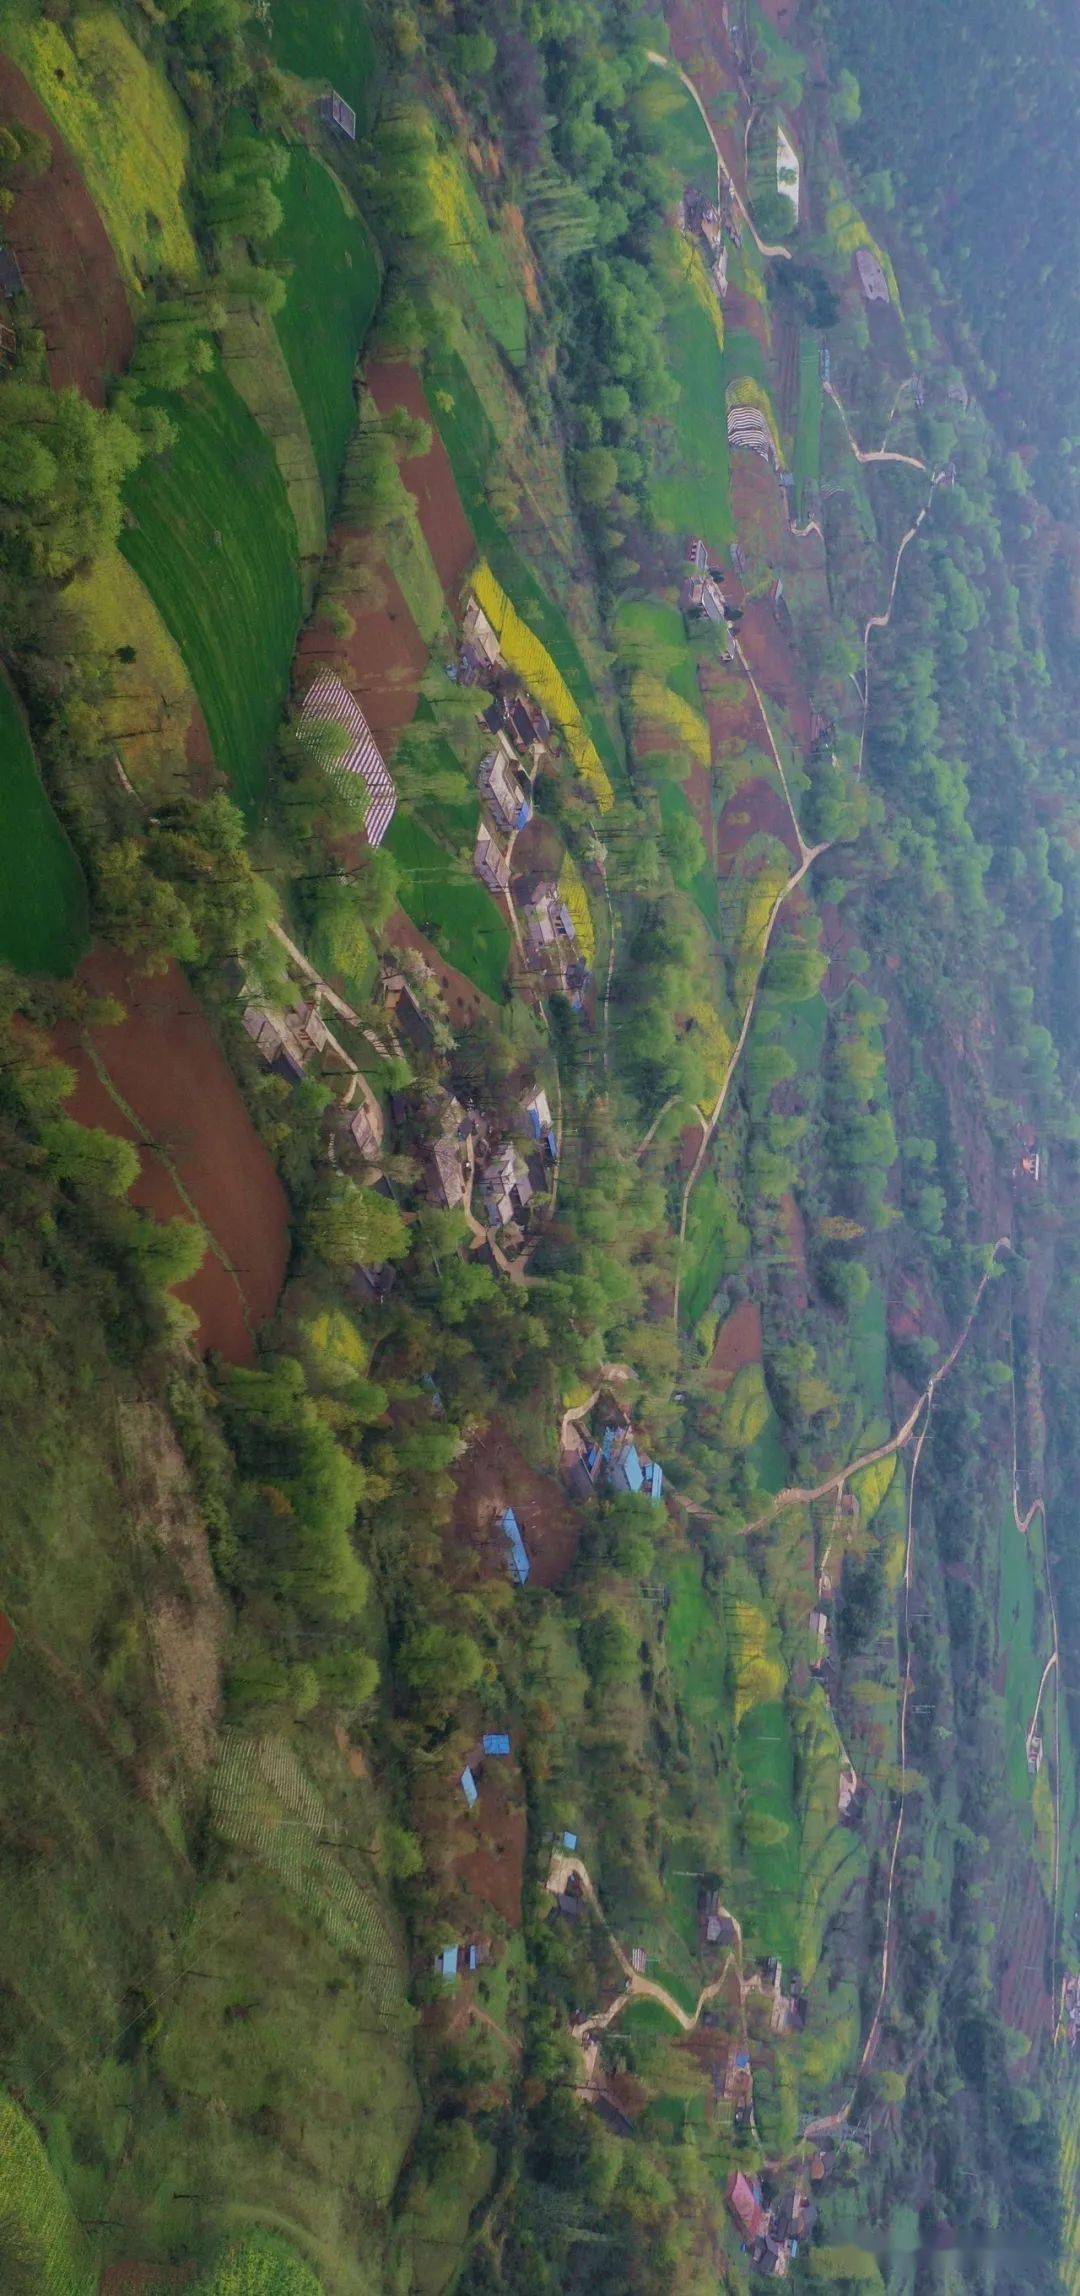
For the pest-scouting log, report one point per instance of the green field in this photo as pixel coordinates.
(44, 910)
(766, 1759)
(668, 112)
(332, 292)
(675, 808)
(1021, 1571)
(691, 492)
(716, 1244)
(808, 419)
(331, 42)
(213, 538)
(471, 444)
(453, 909)
(869, 1347)
(768, 1457)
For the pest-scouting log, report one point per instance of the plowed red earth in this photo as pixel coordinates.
(490, 1842)
(738, 1342)
(496, 1475)
(66, 257)
(1025, 2003)
(758, 810)
(771, 656)
(384, 657)
(429, 477)
(188, 1115)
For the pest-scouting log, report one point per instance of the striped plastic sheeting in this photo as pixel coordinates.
(329, 701)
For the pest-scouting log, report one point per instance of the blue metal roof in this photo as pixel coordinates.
(519, 1561)
(448, 1961)
(553, 1147)
(496, 1742)
(630, 1469)
(524, 814)
(742, 2061)
(655, 1480)
(608, 1442)
(468, 1786)
(474, 1957)
(569, 1841)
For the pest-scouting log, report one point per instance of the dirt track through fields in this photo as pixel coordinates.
(723, 171)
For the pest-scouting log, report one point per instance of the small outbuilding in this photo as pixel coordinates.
(334, 112)
(520, 1565)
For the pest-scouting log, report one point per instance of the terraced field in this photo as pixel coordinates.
(43, 898)
(333, 287)
(212, 537)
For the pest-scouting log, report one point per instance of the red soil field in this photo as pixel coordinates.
(383, 659)
(66, 258)
(429, 477)
(771, 656)
(496, 1475)
(7, 1640)
(700, 44)
(838, 940)
(1025, 2003)
(758, 810)
(738, 1342)
(689, 1143)
(164, 1063)
(490, 1841)
(742, 310)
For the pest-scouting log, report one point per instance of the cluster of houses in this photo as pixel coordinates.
(771, 2235)
(520, 737)
(611, 1459)
(712, 227)
(702, 596)
(289, 1041)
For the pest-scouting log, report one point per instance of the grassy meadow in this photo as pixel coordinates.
(448, 904)
(213, 539)
(331, 42)
(691, 491)
(333, 288)
(44, 911)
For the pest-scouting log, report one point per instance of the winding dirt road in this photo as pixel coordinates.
(882, 621)
(780, 254)
(798, 1496)
(872, 454)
